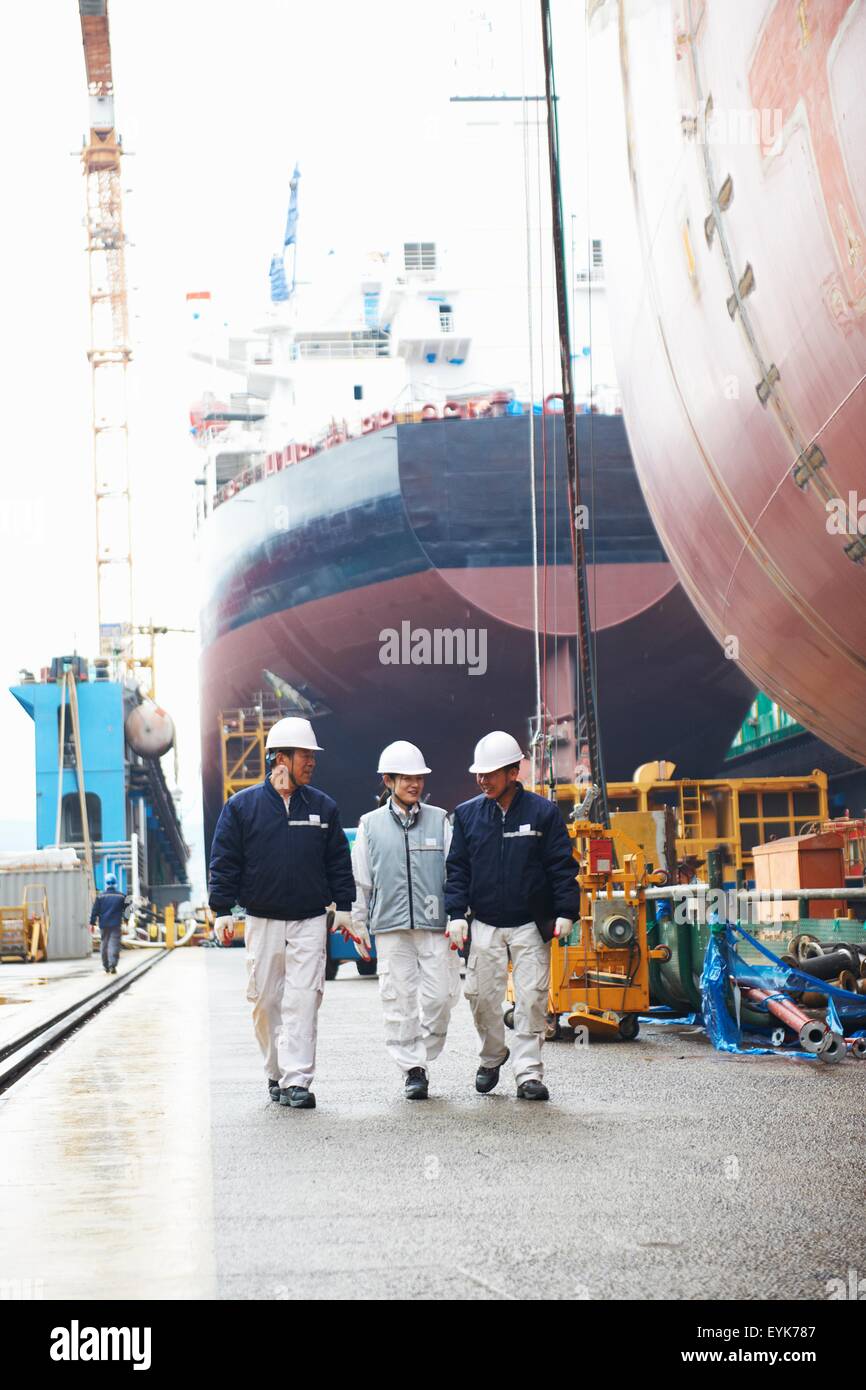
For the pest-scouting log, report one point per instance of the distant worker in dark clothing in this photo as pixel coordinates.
(107, 910)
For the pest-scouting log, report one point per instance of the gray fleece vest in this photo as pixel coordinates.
(407, 866)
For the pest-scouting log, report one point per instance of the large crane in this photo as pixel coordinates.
(109, 353)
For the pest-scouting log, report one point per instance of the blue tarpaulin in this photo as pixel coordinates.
(662, 1013)
(778, 975)
(723, 1030)
(723, 963)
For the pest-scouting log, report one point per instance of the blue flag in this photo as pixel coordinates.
(279, 287)
(292, 219)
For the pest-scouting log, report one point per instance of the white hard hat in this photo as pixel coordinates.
(402, 757)
(494, 751)
(291, 733)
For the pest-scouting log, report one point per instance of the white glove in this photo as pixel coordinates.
(224, 929)
(563, 928)
(457, 929)
(351, 931)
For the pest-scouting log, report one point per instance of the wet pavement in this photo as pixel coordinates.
(105, 1145)
(30, 994)
(144, 1159)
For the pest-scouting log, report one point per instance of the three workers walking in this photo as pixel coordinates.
(414, 882)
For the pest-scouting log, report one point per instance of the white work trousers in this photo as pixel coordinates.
(486, 981)
(419, 984)
(285, 982)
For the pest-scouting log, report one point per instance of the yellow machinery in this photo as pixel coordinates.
(24, 929)
(599, 978)
(731, 814)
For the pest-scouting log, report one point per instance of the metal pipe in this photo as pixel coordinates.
(133, 856)
(829, 966)
(810, 1032)
(856, 1046)
(846, 980)
(762, 895)
(832, 1048)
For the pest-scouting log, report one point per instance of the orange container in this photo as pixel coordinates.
(800, 861)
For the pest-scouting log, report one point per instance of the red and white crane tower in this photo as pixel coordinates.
(110, 351)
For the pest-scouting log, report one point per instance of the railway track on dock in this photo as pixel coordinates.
(21, 1054)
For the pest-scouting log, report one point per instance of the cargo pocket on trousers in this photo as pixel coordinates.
(533, 972)
(387, 988)
(470, 984)
(252, 988)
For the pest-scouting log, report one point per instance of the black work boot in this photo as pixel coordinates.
(533, 1089)
(273, 1089)
(487, 1077)
(416, 1084)
(298, 1097)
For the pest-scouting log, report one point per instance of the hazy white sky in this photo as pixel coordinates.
(215, 102)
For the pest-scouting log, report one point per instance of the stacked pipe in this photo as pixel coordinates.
(841, 964)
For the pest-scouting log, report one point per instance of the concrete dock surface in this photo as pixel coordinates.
(30, 994)
(143, 1159)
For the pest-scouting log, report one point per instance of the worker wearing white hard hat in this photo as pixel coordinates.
(280, 852)
(511, 864)
(398, 862)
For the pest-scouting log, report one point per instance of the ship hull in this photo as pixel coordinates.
(653, 698)
(428, 529)
(736, 255)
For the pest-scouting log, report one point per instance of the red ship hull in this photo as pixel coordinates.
(736, 255)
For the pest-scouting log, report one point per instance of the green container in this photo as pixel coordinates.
(677, 982)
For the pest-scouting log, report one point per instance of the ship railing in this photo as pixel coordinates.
(413, 412)
(250, 717)
(340, 349)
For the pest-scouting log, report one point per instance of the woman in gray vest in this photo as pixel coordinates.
(398, 861)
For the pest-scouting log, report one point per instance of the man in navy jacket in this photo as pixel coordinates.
(280, 852)
(511, 863)
(108, 909)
